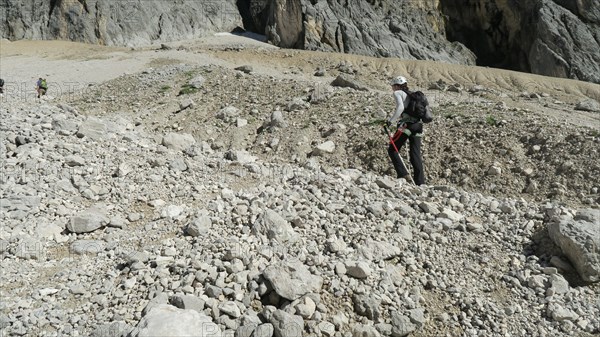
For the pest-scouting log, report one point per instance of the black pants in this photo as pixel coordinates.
(414, 141)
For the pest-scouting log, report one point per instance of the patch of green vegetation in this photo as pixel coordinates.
(164, 89)
(491, 120)
(187, 89)
(190, 74)
(595, 133)
(452, 115)
(161, 62)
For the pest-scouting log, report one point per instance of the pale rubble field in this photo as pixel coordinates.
(162, 192)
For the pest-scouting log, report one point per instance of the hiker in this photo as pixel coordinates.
(41, 87)
(407, 128)
(1, 86)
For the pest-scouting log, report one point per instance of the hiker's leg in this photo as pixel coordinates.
(399, 140)
(415, 159)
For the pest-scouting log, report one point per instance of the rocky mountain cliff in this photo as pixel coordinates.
(129, 22)
(556, 38)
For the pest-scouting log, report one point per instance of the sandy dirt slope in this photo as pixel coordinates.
(70, 66)
(63, 61)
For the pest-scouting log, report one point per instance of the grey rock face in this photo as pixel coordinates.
(92, 128)
(116, 329)
(87, 247)
(333, 26)
(565, 46)
(228, 114)
(345, 81)
(166, 320)
(199, 226)
(197, 82)
(178, 142)
(358, 269)
(554, 38)
(401, 325)
(588, 105)
(378, 250)
(266, 329)
(136, 22)
(360, 330)
(367, 306)
(87, 221)
(324, 148)
(286, 325)
(3, 246)
(284, 25)
(579, 239)
(274, 227)
(64, 127)
(291, 279)
(277, 119)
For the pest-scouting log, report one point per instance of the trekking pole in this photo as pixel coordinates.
(391, 139)
(408, 176)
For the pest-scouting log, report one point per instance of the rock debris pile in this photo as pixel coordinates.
(113, 226)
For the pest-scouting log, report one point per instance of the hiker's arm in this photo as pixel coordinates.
(399, 97)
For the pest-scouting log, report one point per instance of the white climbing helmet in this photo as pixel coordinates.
(398, 80)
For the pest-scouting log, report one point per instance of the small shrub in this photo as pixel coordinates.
(187, 89)
(491, 120)
(190, 74)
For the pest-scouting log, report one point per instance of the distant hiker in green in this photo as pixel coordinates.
(41, 87)
(407, 128)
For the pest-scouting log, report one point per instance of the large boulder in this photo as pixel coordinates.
(271, 224)
(291, 279)
(88, 220)
(590, 105)
(166, 320)
(345, 81)
(92, 128)
(579, 239)
(287, 325)
(178, 141)
(114, 329)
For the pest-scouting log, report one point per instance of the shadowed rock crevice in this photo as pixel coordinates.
(549, 38)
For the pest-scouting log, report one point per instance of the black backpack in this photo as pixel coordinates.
(418, 106)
